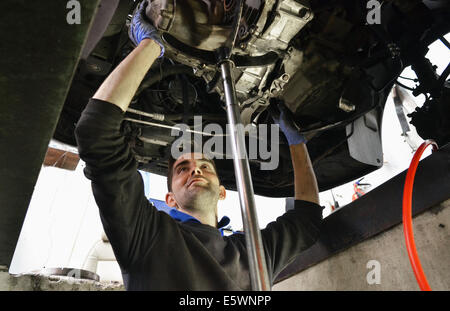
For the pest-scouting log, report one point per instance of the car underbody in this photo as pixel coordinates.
(332, 63)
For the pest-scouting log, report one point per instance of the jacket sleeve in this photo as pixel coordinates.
(292, 233)
(129, 221)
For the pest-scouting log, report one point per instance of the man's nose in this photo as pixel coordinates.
(196, 171)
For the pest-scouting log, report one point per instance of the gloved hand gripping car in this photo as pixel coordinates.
(141, 28)
(283, 117)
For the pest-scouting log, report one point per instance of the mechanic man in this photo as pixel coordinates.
(187, 251)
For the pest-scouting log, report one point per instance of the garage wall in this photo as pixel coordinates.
(382, 263)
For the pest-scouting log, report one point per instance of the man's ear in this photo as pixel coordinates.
(170, 200)
(222, 193)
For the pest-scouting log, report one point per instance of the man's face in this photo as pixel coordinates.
(194, 183)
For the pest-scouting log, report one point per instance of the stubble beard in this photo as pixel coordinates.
(202, 200)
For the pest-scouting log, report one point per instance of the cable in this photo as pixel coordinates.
(444, 41)
(407, 216)
(411, 79)
(404, 86)
(229, 6)
(443, 77)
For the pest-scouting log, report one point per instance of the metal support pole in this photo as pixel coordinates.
(257, 263)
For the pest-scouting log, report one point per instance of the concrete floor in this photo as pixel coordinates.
(53, 283)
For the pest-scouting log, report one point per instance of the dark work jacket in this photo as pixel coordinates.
(157, 252)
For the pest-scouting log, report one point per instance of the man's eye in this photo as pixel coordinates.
(181, 169)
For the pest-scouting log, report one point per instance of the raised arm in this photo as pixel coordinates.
(297, 229)
(305, 182)
(121, 85)
(110, 164)
(306, 188)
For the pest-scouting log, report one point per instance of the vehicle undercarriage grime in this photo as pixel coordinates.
(332, 68)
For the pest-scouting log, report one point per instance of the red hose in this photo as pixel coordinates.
(407, 216)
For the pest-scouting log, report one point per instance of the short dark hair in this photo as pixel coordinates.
(171, 161)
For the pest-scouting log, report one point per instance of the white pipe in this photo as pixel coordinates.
(101, 251)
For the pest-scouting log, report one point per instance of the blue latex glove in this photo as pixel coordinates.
(141, 28)
(284, 119)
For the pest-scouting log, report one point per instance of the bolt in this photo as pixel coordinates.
(304, 13)
(243, 46)
(346, 105)
(94, 67)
